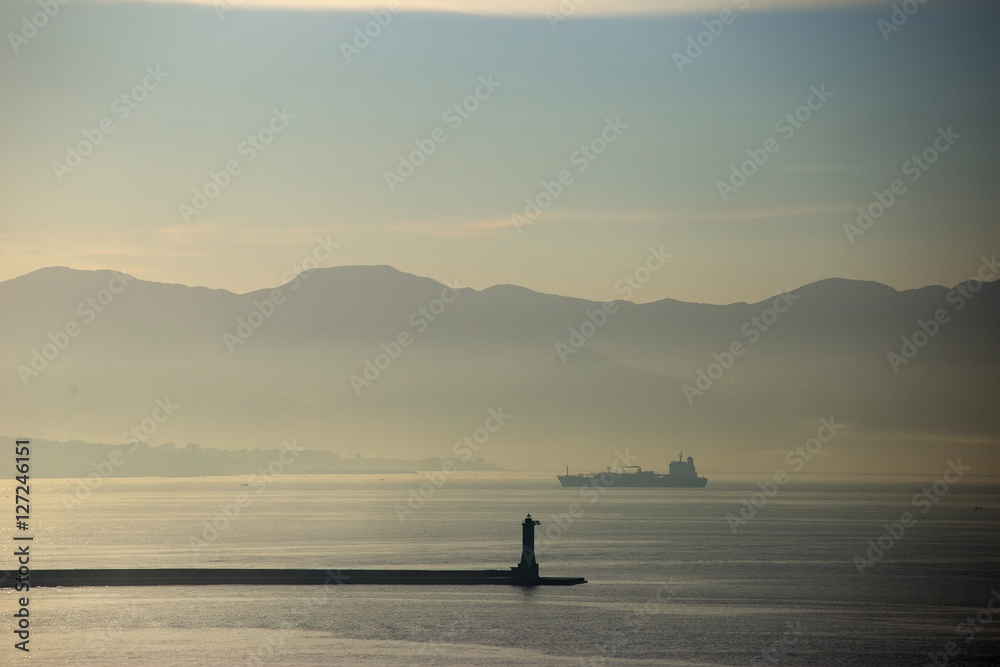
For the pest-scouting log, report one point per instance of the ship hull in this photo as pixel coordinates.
(642, 480)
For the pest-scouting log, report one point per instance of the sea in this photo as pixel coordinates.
(819, 571)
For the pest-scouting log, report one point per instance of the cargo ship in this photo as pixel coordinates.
(682, 475)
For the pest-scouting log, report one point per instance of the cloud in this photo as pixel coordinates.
(451, 229)
(492, 226)
(135, 248)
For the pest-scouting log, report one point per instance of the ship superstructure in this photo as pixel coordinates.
(682, 474)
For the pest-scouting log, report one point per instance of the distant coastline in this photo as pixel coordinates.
(74, 458)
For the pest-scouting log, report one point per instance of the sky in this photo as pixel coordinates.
(120, 118)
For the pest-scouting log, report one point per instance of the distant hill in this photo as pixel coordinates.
(244, 380)
(83, 460)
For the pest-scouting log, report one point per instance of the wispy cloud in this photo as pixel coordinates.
(213, 233)
(89, 249)
(494, 226)
(443, 228)
(821, 167)
(450, 229)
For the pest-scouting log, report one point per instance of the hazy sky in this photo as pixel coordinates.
(339, 110)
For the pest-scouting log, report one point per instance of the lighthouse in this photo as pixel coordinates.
(526, 572)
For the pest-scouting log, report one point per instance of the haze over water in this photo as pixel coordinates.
(668, 580)
(408, 260)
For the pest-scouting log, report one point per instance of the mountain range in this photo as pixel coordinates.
(370, 360)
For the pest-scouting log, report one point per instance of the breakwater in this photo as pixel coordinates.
(279, 577)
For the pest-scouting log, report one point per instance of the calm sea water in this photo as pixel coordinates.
(668, 580)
